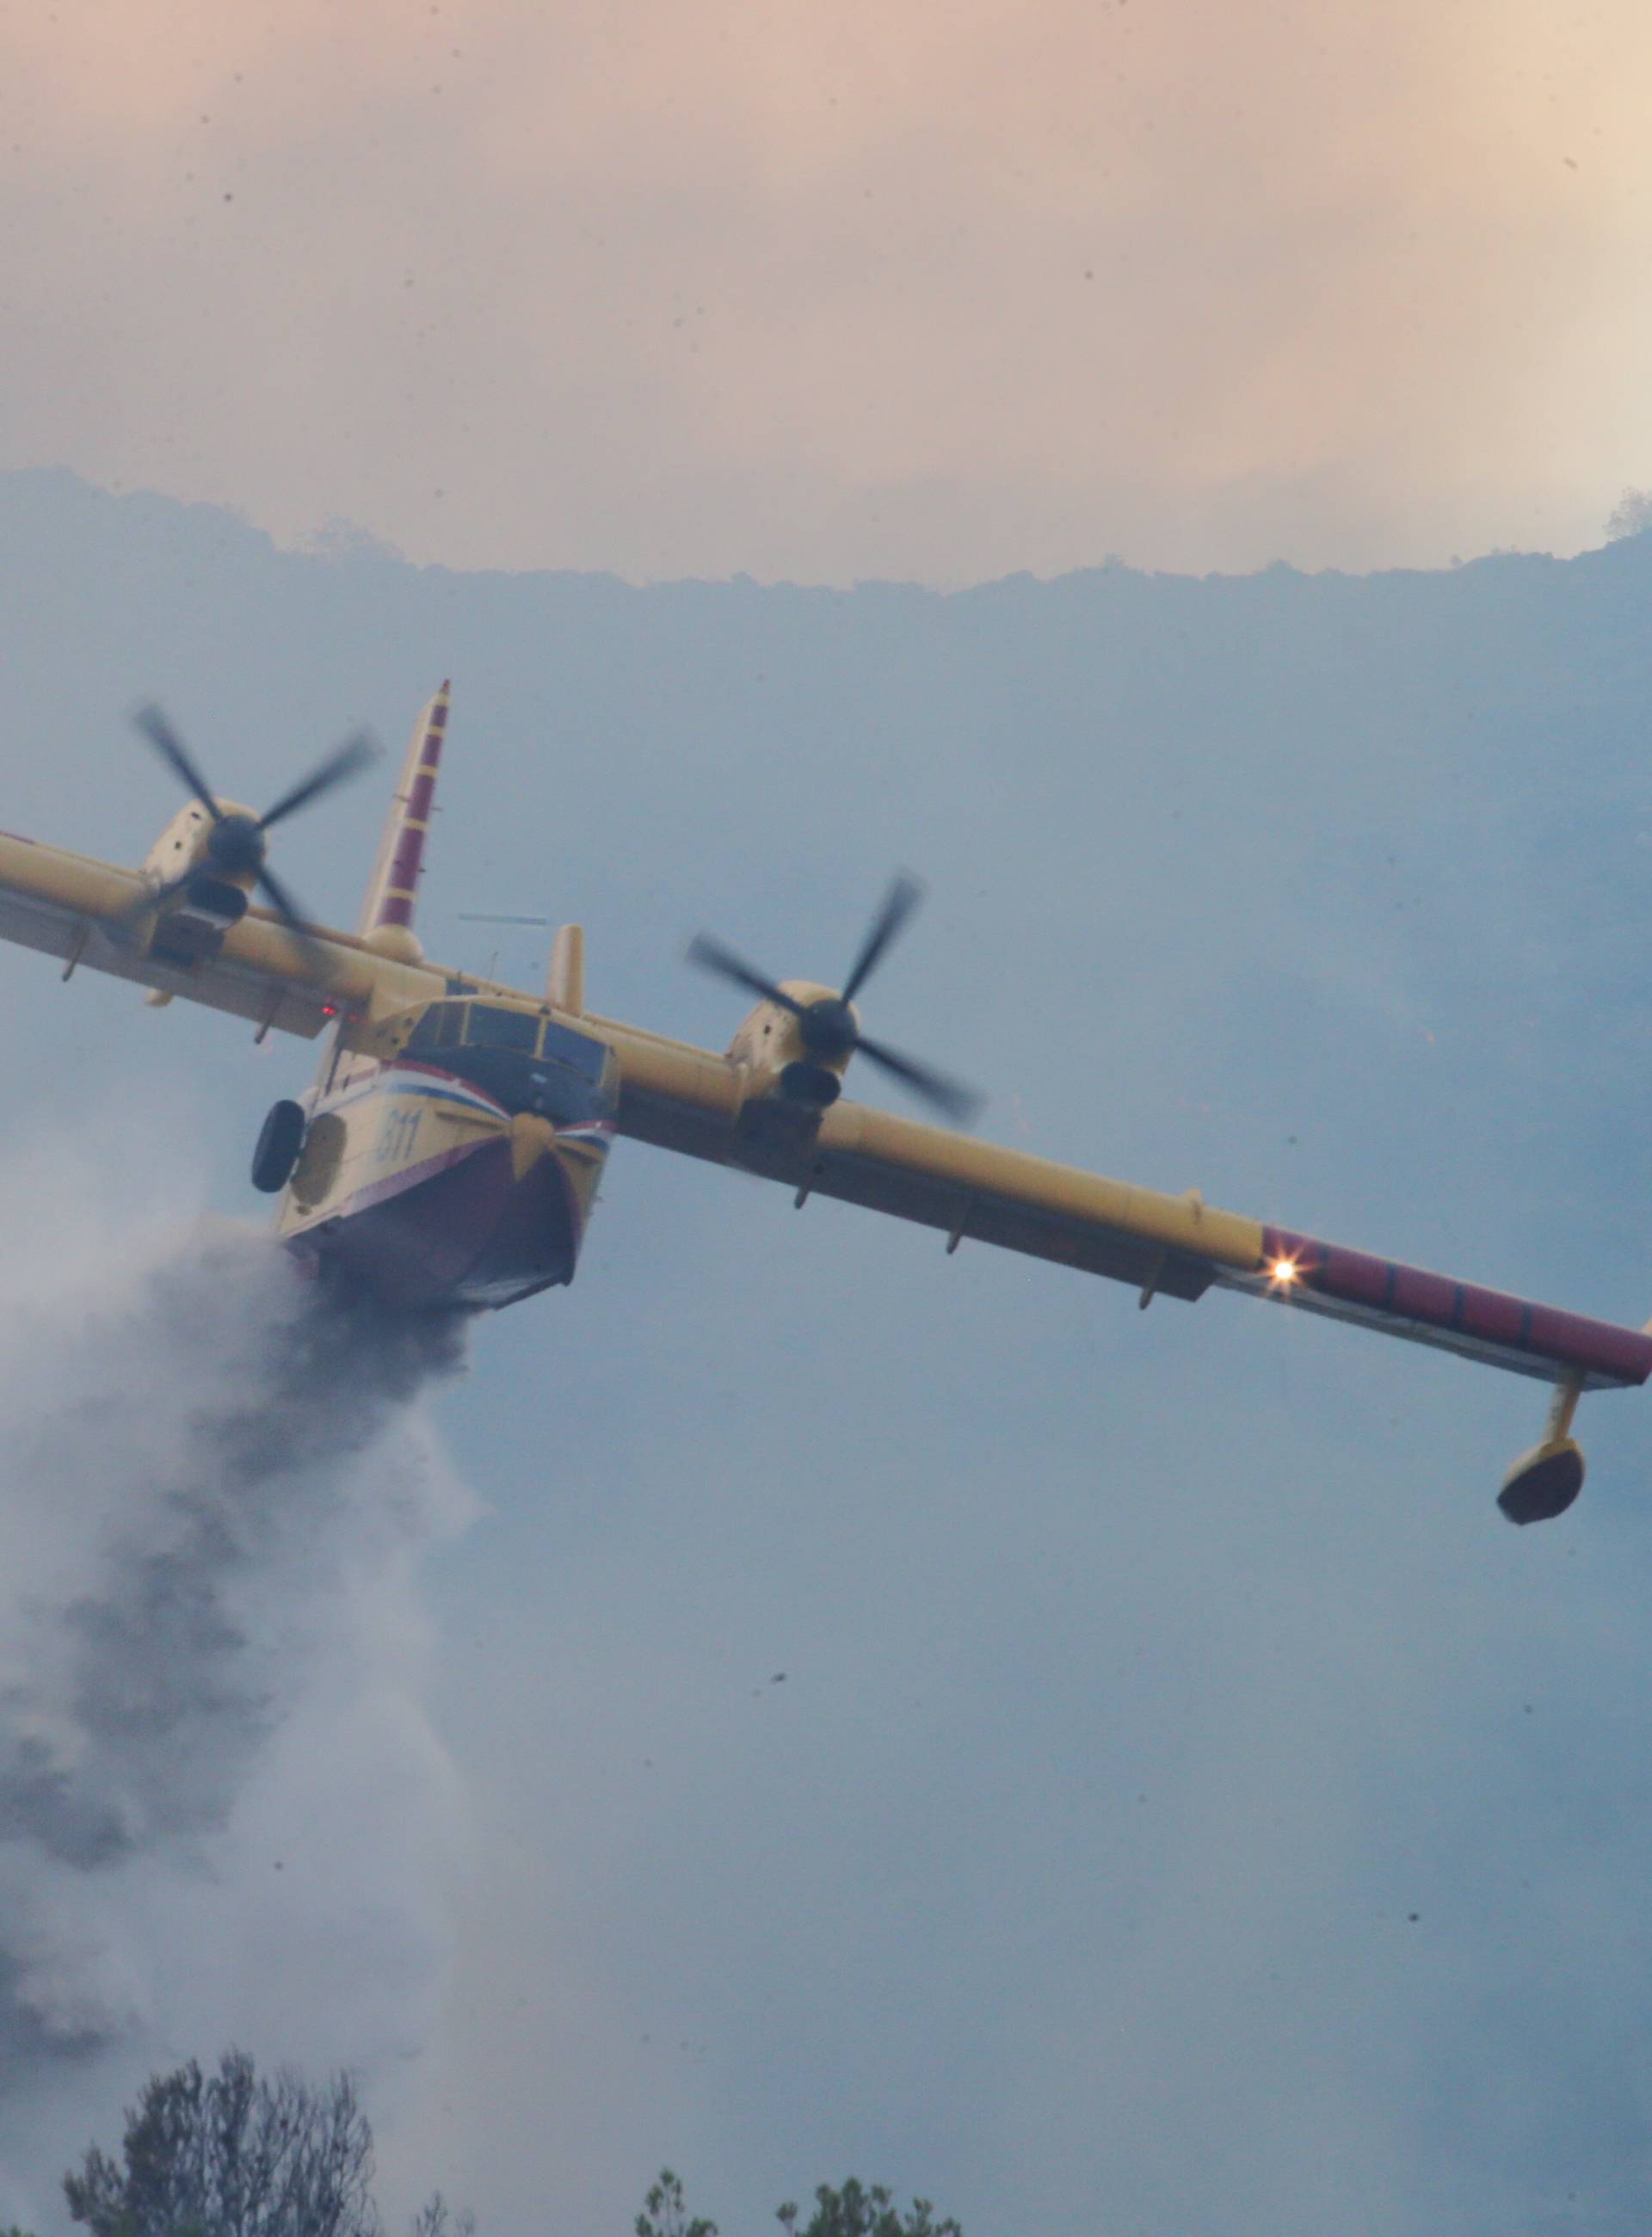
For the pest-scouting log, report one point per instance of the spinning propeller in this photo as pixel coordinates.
(828, 1026)
(237, 843)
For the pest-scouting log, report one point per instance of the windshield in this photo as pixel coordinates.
(490, 1026)
(442, 1026)
(579, 1051)
(453, 1024)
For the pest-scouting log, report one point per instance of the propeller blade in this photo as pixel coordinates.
(353, 754)
(960, 1104)
(171, 749)
(289, 912)
(902, 898)
(712, 955)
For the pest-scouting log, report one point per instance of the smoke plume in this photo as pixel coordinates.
(832, 292)
(223, 1812)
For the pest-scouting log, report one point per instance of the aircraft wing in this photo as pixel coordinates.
(684, 1098)
(1177, 1247)
(76, 908)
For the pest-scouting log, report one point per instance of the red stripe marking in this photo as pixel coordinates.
(1421, 1297)
(1490, 1314)
(1354, 1278)
(1589, 1343)
(408, 858)
(1355, 1275)
(453, 1078)
(404, 863)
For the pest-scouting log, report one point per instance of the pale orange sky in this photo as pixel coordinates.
(829, 290)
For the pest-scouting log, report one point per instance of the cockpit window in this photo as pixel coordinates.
(585, 1056)
(442, 1026)
(491, 1027)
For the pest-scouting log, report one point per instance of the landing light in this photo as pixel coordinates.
(1284, 1271)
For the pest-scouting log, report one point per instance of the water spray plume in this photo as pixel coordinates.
(224, 1814)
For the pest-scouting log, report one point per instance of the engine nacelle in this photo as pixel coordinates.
(788, 1085)
(181, 848)
(811, 1083)
(778, 1060)
(196, 898)
(794, 1047)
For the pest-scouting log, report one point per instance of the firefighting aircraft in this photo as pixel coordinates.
(449, 1153)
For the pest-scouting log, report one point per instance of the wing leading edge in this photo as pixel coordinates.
(78, 909)
(684, 1100)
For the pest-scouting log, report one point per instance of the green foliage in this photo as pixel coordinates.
(231, 2154)
(235, 2154)
(664, 2215)
(857, 2212)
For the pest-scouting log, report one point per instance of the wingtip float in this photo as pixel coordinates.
(449, 1152)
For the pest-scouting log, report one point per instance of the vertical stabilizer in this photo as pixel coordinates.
(392, 891)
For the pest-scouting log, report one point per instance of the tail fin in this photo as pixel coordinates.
(392, 891)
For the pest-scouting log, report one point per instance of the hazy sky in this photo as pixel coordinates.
(833, 289)
(1188, 1806)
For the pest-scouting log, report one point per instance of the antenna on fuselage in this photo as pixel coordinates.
(564, 978)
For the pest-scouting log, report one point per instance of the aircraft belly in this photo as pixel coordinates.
(474, 1232)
